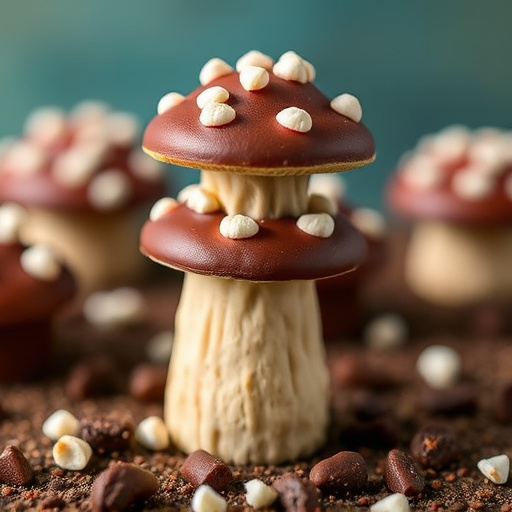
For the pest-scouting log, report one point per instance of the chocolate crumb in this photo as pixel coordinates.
(200, 467)
(107, 435)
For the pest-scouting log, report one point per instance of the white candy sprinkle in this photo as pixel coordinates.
(422, 173)
(39, 261)
(216, 114)
(213, 69)
(238, 226)
(259, 495)
(72, 453)
(122, 128)
(159, 347)
(316, 224)
(370, 222)
(254, 58)
(349, 106)
(12, 216)
(202, 201)
(496, 468)
(291, 67)
(295, 119)
(46, 125)
(24, 158)
(152, 433)
(318, 203)
(215, 93)
(109, 190)
(330, 185)
(108, 309)
(144, 167)
(169, 100)
(386, 332)
(185, 192)
(393, 503)
(310, 70)
(472, 185)
(161, 207)
(449, 145)
(88, 111)
(439, 365)
(205, 499)
(59, 424)
(254, 78)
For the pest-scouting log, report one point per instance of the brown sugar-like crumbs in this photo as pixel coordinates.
(107, 435)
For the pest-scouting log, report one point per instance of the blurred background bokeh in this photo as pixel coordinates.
(416, 66)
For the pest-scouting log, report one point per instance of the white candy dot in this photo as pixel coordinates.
(439, 365)
(202, 201)
(348, 105)
(238, 226)
(254, 78)
(60, 423)
(369, 221)
(39, 261)
(295, 119)
(259, 495)
(185, 192)
(421, 173)
(496, 469)
(12, 216)
(122, 128)
(72, 453)
(254, 58)
(316, 224)
(46, 125)
(291, 67)
(205, 499)
(215, 93)
(393, 503)
(386, 332)
(24, 158)
(144, 167)
(161, 207)
(152, 433)
(109, 190)
(168, 101)
(213, 69)
(216, 114)
(473, 185)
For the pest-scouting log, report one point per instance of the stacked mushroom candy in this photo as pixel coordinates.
(248, 379)
(33, 286)
(457, 187)
(87, 186)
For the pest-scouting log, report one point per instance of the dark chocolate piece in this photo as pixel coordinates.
(295, 493)
(147, 382)
(107, 435)
(435, 446)
(200, 467)
(14, 467)
(402, 475)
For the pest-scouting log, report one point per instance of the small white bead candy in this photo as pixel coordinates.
(393, 503)
(370, 222)
(46, 125)
(216, 114)
(122, 128)
(310, 70)
(144, 167)
(213, 69)
(496, 469)
(72, 453)
(295, 119)
(387, 331)
(316, 224)
(473, 185)
(422, 173)
(347, 105)
(109, 190)
(259, 495)
(291, 67)
(159, 348)
(215, 93)
(59, 424)
(12, 216)
(205, 499)
(254, 78)
(202, 201)
(238, 226)
(185, 192)
(161, 207)
(439, 365)
(254, 58)
(318, 203)
(24, 158)
(169, 100)
(152, 433)
(88, 111)
(39, 261)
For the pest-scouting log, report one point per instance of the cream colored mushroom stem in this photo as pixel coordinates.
(458, 265)
(248, 379)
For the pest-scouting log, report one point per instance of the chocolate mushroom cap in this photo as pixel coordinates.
(280, 251)
(254, 142)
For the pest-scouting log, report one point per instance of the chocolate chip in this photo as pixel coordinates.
(121, 485)
(435, 446)
(200, 467)
(458, 399)
(107, 435)
(91, 378)
(402, 475)
(147, 382)
(296, 494)
(14, 467)
(342, 474)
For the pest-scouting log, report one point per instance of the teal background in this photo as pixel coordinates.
(415, 65)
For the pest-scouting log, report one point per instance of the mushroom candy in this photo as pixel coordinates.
(33, 286)
(87, 186)
(341, 298)
(248, 379)
(457, 188)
